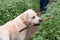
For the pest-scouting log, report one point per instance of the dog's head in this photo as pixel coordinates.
(31, 17)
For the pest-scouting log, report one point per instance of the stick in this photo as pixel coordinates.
(47, 18)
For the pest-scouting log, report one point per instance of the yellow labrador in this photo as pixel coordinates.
(16, 28)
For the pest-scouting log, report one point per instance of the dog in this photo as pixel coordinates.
(16, 28)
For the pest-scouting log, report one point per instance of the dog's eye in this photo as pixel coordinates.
(33, 17)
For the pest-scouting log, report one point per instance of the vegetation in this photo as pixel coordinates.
(50, 29)
(9, 9)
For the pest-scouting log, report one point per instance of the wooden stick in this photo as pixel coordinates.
(47, 18)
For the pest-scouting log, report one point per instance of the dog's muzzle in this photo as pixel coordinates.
(36, 24)
(40, 20)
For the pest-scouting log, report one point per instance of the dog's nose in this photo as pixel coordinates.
(40, 20)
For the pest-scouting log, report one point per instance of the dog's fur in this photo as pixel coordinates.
(10, 30)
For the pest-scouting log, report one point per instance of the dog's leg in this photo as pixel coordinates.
(22, 35)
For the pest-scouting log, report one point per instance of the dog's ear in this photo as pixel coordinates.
(24, 17)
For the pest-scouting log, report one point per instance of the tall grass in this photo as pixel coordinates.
(9, 9)
(50, 29)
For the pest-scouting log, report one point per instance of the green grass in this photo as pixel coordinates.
(9, 9)
(50, 29)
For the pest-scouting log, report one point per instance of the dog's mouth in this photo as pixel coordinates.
(36, 24)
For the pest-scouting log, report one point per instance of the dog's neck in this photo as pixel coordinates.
(19, 24)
